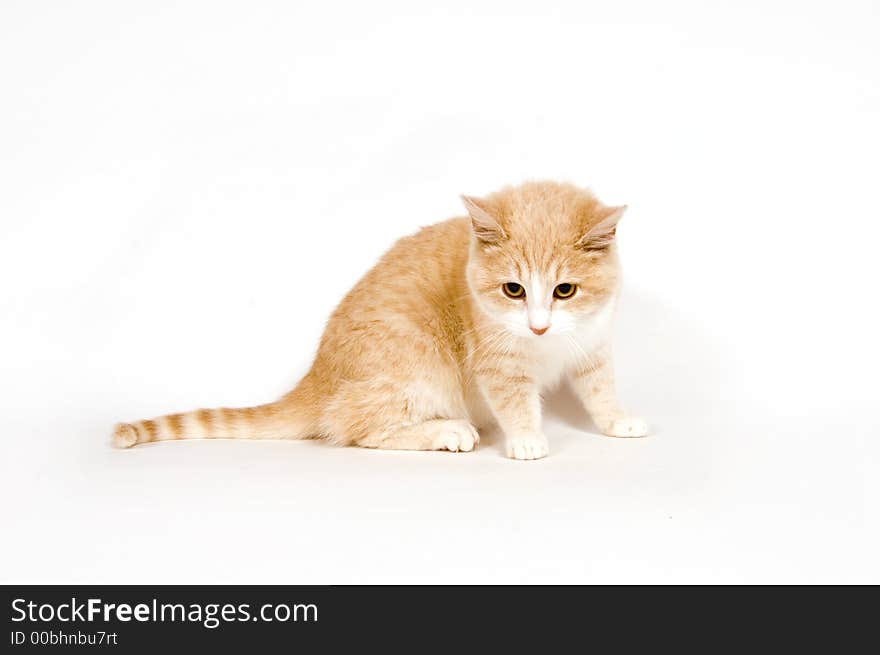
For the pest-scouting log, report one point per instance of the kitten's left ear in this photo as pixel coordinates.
(601, 235)
(486, 227)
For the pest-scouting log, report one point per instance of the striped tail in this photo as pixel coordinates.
(273, 421)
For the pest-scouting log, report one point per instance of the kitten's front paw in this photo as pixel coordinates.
(629, 426)
(529, 446)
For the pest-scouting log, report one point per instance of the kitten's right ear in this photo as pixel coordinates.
(602, 233)
(486, 227)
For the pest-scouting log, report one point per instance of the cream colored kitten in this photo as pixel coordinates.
(462, 324)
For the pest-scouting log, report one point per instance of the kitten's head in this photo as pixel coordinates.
(543, 256)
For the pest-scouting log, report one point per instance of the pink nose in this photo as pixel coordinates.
(539, 331)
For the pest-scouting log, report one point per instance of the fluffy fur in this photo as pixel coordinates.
(427, 348)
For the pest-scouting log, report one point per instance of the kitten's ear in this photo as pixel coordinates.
(486, 227)
(601, 235)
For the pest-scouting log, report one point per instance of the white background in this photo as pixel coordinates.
(188, 188)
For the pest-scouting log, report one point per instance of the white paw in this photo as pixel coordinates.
(457, 435)
(627, 427)
(530, 446)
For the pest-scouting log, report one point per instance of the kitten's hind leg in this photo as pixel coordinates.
(438, 434)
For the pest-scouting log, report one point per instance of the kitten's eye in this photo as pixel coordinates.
(513, 290)
(564, 290)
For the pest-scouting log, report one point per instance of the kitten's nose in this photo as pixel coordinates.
(539, 331)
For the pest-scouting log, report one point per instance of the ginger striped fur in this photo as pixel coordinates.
(462, 325)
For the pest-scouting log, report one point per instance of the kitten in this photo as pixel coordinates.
(459, 325)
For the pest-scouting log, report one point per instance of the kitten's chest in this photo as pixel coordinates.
(553, 357)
